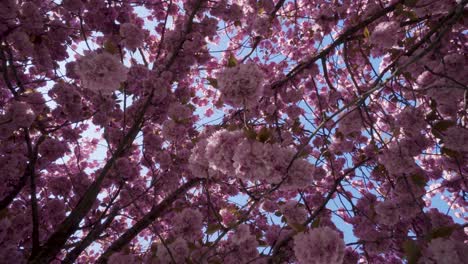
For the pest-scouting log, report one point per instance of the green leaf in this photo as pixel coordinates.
(316, 222)
(419, 180)
(208, 243)
(178, 209)
(4, 213)
(412, 251)
(443, 231)
(219, 103)
(339, 135)
(212, 228)
(296, 127)
(411, 15)
(232, 61)
(303, 154)
(399, 9)
(443, 125)
(234, 211)
(298, 227)
(250, 133)
(213, 82)
(366, 32)
(192, 246)
(110, 47)
(450, 153)
(154, 248)
(263, 135)
(410, 3)
(431, 116)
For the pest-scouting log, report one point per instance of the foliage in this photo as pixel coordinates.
(232, 131)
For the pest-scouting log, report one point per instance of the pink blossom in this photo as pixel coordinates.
(319, 246)
(293, 212)
(121, 258)
(132, 35)
(456, 138)
(241, 85)
(254, 160)
(232, 154)
(261, 25)
(227, 216)
(179, 111)
(188, 224)
(241, 246)
(385, 34)
(178, 250)
(447, 251)
(101, 72)
(387, 212)
(173, 130)
(126, 169)
(73, 5)
(220, 149)
(21, 114)
(52, 149)
(350, 123)
(70, 100)
(8, 9)
(20, 40)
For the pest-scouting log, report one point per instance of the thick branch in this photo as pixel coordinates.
(154, 213)
(32, 181)
(5, 202)
(90, 238)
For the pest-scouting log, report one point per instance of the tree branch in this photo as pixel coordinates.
(340, 40)
(144, 222)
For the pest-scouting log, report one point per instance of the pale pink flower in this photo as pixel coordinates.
(241, 85)
(321, 245)
(101, 72)
(132, 35)
(385, 34)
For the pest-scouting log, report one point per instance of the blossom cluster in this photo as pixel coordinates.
(442, 250)
(241, 85)
(385, 34)
(101, 72)
(18, 114)
(69, 99)
(241, 246)
(318, 246)
(132, 35)
(231, 153)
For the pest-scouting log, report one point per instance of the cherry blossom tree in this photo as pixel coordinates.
(232, 131)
